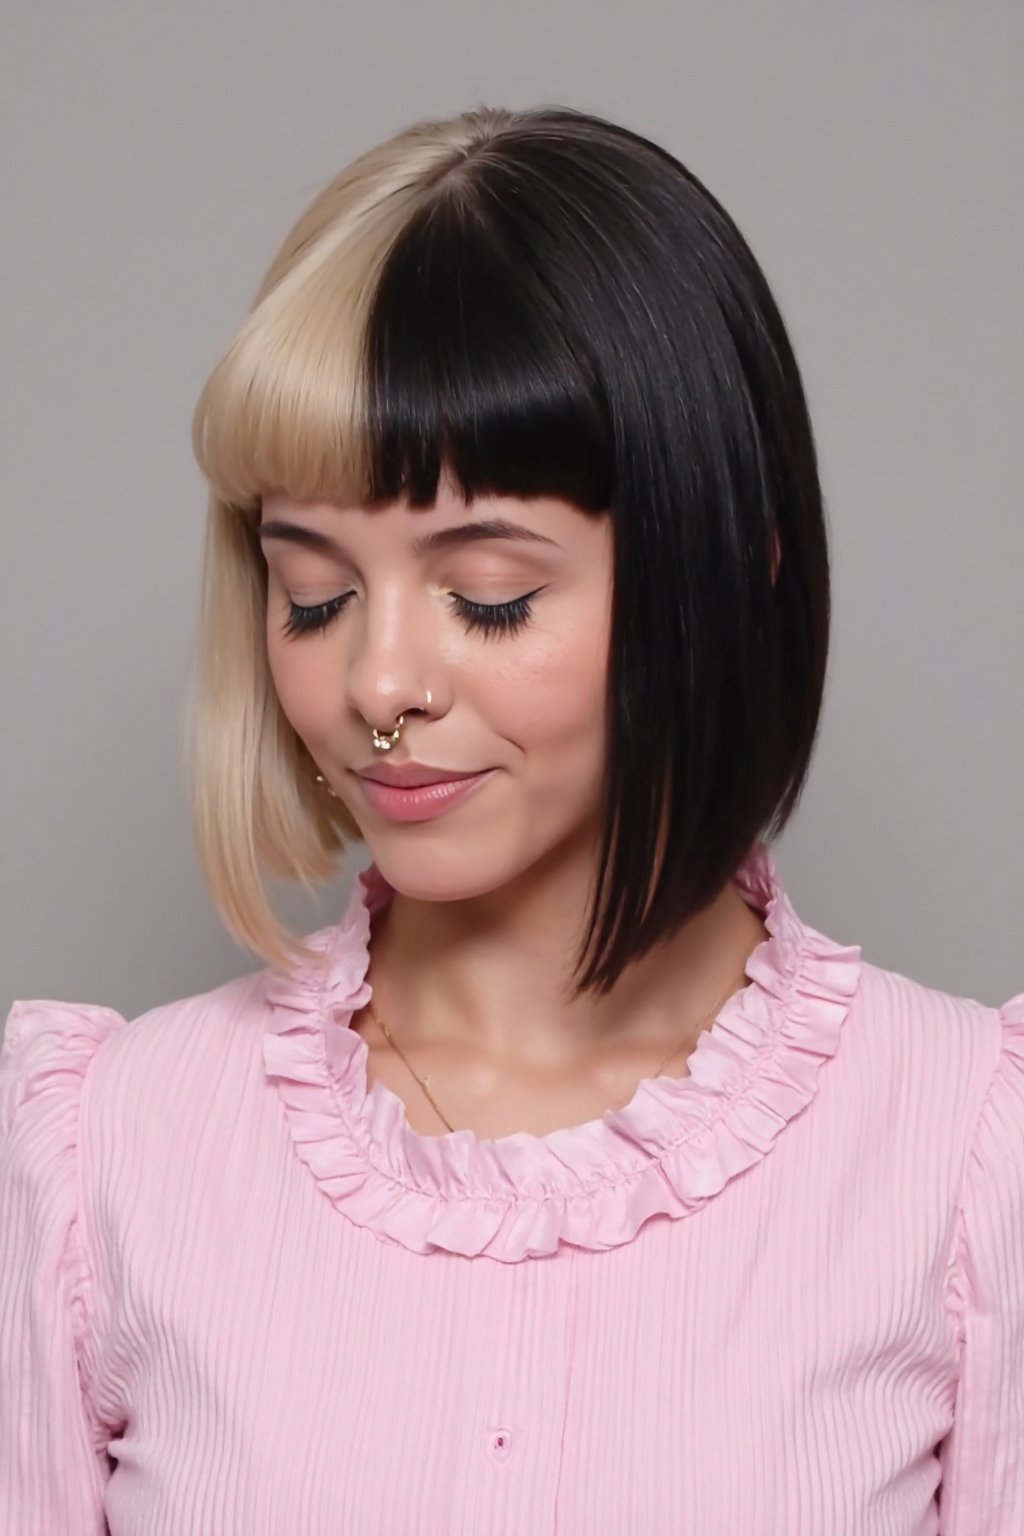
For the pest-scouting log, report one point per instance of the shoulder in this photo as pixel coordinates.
(931, 1054)
(85, 1094)
(57, 1055)
(901, 1008)
(188, 1034)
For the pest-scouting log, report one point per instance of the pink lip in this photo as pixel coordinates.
(419, 804)
(411, 775)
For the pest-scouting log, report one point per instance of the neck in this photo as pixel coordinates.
(491, 972)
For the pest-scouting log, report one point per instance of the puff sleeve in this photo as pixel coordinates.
(982, 1457)
(53, 1464)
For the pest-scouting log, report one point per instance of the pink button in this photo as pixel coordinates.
(501, 1444)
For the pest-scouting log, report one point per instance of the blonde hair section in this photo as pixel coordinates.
(283, 412)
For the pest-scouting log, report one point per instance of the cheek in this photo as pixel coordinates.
(304, 677)
(552, 704)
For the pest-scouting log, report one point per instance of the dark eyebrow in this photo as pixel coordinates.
(440, 538)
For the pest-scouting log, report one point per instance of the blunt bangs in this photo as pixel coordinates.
(283, 410)
(473, 364)
(380, 360)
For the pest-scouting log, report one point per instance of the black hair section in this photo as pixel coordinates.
(571, 313)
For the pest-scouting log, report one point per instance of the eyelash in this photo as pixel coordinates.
(491, 618)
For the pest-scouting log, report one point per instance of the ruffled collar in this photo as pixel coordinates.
(670, 1149)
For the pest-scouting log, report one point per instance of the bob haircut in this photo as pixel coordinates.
(545, 303)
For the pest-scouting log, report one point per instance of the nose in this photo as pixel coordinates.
(385, 676)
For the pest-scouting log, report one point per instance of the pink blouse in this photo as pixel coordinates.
(781, 1296)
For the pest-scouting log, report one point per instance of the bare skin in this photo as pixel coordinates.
(495, 1092)
(471, 963)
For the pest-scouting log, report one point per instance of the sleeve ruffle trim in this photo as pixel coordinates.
(46, 1051)
(995, 1165)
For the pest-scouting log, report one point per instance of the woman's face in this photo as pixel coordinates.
(526, 700)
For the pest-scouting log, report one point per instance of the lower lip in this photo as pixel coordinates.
(420, 804)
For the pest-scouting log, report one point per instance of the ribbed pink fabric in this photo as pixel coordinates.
(781, 1296)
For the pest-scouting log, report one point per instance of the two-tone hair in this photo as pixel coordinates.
(544, 303)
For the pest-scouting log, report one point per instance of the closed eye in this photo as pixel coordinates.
(490, 618)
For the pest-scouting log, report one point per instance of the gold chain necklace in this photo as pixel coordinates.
(424, 1081)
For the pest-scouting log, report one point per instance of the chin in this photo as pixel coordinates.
(446, 869)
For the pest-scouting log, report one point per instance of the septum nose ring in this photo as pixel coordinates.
(386, 742)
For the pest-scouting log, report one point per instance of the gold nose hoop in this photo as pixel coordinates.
(385, 743)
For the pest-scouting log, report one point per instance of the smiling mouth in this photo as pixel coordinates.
(420, 802)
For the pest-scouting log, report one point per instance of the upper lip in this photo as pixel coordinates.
(412, 775)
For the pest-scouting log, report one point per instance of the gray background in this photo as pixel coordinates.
(153, 157)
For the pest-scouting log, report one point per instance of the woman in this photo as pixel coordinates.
(570, 1180)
